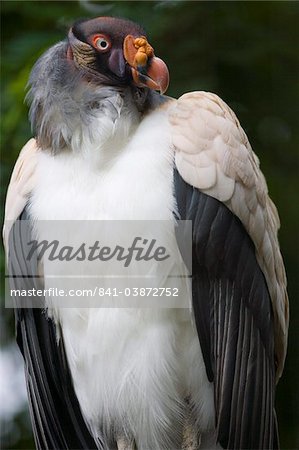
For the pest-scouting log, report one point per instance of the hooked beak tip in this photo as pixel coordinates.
(156, 77)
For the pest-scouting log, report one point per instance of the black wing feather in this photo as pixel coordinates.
(55, 412)
(233, 315)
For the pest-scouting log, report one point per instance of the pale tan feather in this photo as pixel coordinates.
(21, 184)
(213, 154)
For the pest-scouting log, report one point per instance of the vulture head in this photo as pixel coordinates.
(116, 51)
(103, 72)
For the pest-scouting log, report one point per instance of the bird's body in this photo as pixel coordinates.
(116, 152)
(110, 382)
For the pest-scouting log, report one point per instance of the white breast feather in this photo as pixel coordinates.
(131, 368)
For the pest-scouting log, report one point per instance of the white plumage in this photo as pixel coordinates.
(134, 357)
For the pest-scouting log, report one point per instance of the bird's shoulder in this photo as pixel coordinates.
(213, 154)
(20, 186)
(212, 149)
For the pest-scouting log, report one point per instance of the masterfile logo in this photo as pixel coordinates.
(99, 264)
(140, 250)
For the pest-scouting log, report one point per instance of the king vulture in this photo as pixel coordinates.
(109, 145)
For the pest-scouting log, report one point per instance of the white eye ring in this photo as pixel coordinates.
(102, 43)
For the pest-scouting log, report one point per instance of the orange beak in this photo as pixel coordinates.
(147, 70)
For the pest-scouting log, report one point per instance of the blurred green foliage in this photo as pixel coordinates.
(246, 52)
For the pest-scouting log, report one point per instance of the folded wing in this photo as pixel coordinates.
(55, 413)
(238, 280)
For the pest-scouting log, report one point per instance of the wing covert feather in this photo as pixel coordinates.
(21, 184)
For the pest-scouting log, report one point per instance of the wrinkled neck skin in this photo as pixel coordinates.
(71, 113)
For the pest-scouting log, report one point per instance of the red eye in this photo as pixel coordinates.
(101, 42)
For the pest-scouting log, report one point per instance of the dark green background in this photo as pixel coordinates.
(246, 52)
